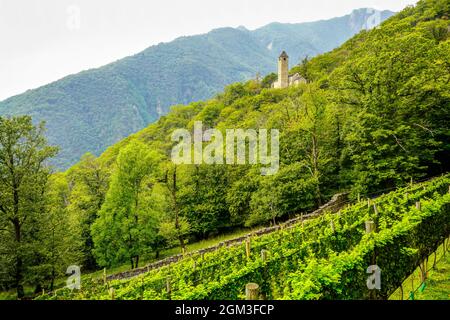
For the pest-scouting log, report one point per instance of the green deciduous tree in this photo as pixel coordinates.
(396, 93)
(174, 226)
(23, 180)
(291, 191)
(127, 226)
(60, 236)
(89, 181)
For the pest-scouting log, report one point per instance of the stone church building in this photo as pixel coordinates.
(284, 79)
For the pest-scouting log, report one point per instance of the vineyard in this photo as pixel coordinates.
(323, 258)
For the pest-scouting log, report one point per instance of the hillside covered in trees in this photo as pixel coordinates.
(92, 110)
(373, 116)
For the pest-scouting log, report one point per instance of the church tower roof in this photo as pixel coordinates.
(284, 55)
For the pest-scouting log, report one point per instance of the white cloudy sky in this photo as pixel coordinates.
(44, 40)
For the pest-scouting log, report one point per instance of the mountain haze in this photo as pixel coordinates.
(92, 110)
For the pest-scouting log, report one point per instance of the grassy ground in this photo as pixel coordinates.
(437, 286)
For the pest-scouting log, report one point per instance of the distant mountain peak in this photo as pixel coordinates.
(368, 18)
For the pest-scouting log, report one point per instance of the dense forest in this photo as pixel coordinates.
(90, 111)
(373, 115)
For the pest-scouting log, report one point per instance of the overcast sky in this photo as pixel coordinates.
(44, 40)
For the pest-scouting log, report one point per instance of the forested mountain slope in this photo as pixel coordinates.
(374, 115)
(90, 111)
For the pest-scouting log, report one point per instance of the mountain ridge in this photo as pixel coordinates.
(93, 109)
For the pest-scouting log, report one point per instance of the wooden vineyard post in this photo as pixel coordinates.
(104, 277)
(168, 288)
(195, 273)
(252, 291)
(359, 197)
(142, 288)
(332, 226)
(264, 258)
(370, 226)
(448, 189)
(264, 255)
(247, 248)
(303, 228)
(112, 294)
(419, 206)
(374, 216)
(375, 209)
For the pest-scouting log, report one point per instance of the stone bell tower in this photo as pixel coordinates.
(283, 71)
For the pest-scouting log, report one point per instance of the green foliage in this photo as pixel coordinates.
(387, 87)
(202, 198)
(269, 80)
(397, 252)
(59, 235)
(285, 194)
(325, 257)
(373, 116)
(94, 109)
(127, 222)
(24, 216)
(89, 182)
